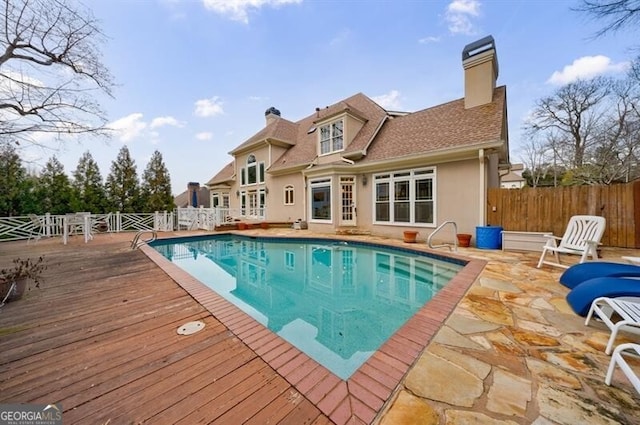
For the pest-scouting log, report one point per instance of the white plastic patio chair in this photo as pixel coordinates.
(618, 359)
(581, 237)
(628, 311)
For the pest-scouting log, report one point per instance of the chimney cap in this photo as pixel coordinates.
(478, 46)
(272, 110)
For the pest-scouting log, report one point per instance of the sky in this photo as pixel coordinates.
(194, 77)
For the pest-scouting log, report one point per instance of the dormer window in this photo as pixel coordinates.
(331, 137)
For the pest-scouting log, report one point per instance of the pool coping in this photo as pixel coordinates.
(369, 388)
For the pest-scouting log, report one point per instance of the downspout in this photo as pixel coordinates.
(483, 191)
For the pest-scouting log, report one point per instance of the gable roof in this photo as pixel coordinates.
(279, 129)
(223, 176)
(305, 149)
(442, 127)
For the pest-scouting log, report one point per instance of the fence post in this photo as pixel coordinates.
(47, 225)
(118, 222)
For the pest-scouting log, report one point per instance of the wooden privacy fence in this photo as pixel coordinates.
(549, 209)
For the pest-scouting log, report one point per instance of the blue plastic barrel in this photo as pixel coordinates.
(489, 237)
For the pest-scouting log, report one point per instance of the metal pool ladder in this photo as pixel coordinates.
(137, 242)
(447, 245)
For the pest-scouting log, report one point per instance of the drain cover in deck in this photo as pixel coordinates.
(190, 328)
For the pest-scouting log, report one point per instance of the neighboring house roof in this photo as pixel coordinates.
(442, 127)
(223, 176)
(183, 201)
(512, 177)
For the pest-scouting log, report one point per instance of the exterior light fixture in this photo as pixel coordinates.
(237, 193)
(364, 180)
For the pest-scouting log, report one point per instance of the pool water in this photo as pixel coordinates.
(336, 301)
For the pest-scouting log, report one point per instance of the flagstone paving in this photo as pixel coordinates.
(513, 352)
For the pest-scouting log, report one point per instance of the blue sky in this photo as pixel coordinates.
(195, 76)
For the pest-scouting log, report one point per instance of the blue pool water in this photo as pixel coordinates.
(336, 301)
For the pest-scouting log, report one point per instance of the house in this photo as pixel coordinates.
(354, 166)
(513, 178)
(194, 196)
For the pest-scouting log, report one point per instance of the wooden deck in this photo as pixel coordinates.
(100, 337)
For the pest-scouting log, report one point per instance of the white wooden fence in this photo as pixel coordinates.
(191, 218)
(23, 227)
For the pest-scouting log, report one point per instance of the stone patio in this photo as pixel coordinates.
(513, 352)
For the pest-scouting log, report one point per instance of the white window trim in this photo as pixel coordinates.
(321, 182)
(412, 177)
(291, 188)
(330, 125)
(245, 172)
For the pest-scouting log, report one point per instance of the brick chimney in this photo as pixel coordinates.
(480, 63)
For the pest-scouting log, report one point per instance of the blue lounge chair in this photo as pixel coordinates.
(582, 272)
(581, 297)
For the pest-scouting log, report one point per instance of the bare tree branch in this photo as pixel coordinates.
(617, 14)
(51, 70)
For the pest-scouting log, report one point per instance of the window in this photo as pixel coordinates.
(253, 173)
(288, 195)
(251, 169)
(405, 197)
(321, 200)
(331, 137)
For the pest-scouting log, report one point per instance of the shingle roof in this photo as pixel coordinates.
(183, 200)
(442, 127)
(278, 129)
(446, 126)
(304, 151)
(223, 175)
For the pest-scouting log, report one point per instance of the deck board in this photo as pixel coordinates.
(100, 337)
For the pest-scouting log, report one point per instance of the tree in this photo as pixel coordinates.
(619, 14)
(88, 187)
(12, 177)
(50, 70)
(54, 188)
(569, 117)
(156, 186)
(592, 128)
(122, 186)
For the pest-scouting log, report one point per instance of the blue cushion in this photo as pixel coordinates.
(581, 297)
(579, 273)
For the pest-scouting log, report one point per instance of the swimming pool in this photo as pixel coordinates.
(336, 301)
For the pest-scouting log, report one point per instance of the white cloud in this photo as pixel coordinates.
(586, 67)
(209, 107)
(129, 127)
(168, 120)
(205, 135)
(238, 10)
(459, 16)
(429, 39)
(389, 101)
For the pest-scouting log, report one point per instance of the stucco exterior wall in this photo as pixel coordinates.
(276, 209)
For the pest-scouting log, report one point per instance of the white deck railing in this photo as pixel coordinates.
(191, 218)
(22, 227)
